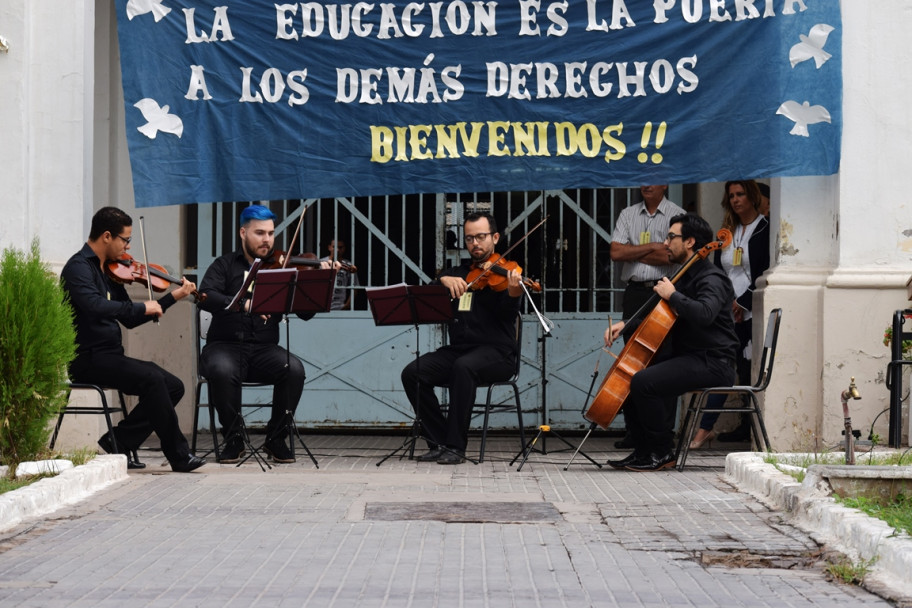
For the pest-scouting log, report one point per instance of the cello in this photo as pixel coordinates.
(643, 344)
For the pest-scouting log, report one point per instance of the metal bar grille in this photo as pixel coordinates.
(410, 238)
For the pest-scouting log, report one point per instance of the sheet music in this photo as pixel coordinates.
(399, 288)
(235, 304)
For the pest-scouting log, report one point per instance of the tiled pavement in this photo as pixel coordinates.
(407, 534)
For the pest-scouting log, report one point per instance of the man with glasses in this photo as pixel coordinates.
(703, 347)
(637, 243)
(100, 307)
(482, 348)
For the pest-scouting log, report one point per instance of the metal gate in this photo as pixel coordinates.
(353, 366)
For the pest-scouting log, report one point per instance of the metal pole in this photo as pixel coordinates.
(895, 378)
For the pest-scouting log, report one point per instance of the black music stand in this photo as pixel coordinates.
(410, 305)
(285, 291)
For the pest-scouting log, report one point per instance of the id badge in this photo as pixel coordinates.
(465, 302)
(736, 256)
(645, 237)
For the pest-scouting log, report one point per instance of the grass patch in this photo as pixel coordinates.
(795, 464)
(80, 456)
(77, 457)
(848, 572)
(897, 513)
(8, 485)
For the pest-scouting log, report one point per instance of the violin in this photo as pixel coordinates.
(642, 345)
(493, 273)
(125, 270)
(307, 261)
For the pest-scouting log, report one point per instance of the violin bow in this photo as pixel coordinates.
(142, 238)
(509, 249)
(294, 237)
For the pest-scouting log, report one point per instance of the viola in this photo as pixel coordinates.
(642, 345)
(306, 261)
(493, 273)
(126, 270)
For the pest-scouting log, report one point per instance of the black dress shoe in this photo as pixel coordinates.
(191, 463)
(430, 456)
(652, 462)
(451, 457)
(107, 444)
(620, 464)
(626, 443)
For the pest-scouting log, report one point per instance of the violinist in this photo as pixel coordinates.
(100, 307)
(482, 347)
(243, 347)
(703, 347)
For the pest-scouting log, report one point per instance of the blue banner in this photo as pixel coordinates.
(257, 100)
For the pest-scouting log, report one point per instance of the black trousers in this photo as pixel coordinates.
(158, 391)
(229, 364)
(649, 409)
(462, 369)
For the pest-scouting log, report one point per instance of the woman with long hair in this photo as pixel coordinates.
(746, 259)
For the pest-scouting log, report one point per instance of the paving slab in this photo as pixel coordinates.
(297, 535)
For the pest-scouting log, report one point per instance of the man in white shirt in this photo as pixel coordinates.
(638, 242)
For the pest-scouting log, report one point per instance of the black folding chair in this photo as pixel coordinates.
(748, 395)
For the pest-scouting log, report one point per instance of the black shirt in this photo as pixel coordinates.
(100, 304)
(703, 300)
(221, 282)
(491, 319)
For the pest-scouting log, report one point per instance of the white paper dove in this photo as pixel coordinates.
(803, 114)
(141, 7)
(158, 118)
(811, 46)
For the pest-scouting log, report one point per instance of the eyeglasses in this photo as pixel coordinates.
(672, 236)
(481, 237)
(124, 239)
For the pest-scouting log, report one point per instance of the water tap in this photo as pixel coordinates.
(851, 392)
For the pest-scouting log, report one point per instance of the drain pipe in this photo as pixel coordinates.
(849, 393)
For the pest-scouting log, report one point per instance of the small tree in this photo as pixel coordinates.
(37, 343)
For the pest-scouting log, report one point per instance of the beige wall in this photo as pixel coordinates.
(64, 155)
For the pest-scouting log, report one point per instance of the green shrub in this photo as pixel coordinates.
(37, 343)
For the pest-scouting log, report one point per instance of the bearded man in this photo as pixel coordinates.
(243, 347)
(482, 348)
(703, 347)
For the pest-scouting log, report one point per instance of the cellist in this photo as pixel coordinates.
(702, 350)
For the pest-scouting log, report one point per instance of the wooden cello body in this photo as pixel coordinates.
(642, 346)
